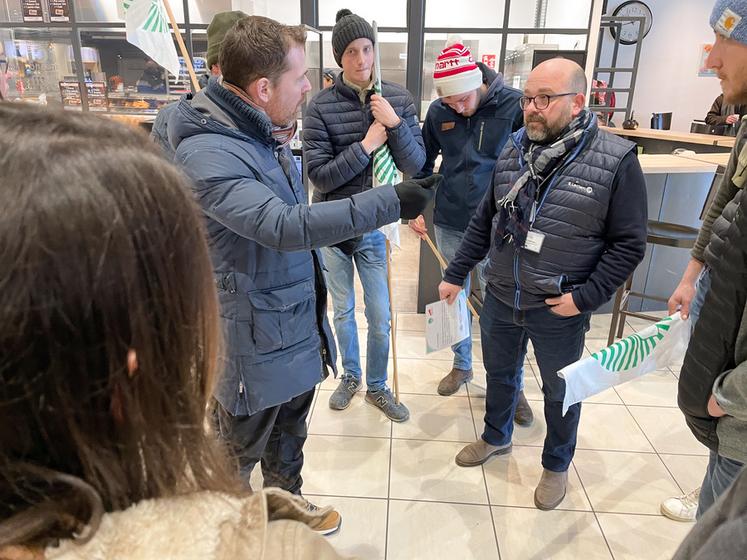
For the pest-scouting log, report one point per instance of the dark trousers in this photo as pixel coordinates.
(274, 436)
(557, 341)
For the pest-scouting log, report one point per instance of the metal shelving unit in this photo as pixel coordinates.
(613, 69)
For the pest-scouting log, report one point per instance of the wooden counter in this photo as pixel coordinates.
(664, 163)
(674, 136)
(722, 160)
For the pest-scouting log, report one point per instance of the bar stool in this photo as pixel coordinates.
(659, 233)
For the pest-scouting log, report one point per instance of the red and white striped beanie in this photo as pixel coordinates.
(456, 71)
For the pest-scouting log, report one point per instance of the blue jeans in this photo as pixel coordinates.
(448, 241)
(702, 286)
(721, 472)
(558, 341)
(370, 261)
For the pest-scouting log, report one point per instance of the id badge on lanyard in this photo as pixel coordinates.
(535, 238)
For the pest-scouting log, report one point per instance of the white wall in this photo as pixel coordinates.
(668, 68)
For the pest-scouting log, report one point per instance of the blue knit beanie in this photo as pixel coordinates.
(729, 18)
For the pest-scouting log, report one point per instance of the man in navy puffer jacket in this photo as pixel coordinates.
(343, 127)
(232, 140)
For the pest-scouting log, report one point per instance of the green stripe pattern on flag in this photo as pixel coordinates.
(632, 350)
(385, 170)
(651, 349)
(147, 28)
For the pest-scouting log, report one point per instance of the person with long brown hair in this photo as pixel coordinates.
(109, 338)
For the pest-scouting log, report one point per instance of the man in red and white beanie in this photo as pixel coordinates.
(456, 71)
(468, 126)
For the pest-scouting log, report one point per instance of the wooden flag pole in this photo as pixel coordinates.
(182, 46)
(393, 319)
(393, 316)
(444, 264)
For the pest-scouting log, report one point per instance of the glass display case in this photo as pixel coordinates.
(133, 82)
(34, 62)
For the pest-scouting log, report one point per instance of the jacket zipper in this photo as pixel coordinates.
(469, 127)
(241, 387)
(517, 296)
(479, 144)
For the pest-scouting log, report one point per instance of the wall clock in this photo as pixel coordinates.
(629, 30)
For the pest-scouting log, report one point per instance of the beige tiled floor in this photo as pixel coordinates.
(403, 497)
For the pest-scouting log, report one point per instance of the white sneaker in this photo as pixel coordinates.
(681, 508)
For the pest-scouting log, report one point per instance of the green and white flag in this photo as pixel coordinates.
(385, 171)
(148, 29)
(653, 348)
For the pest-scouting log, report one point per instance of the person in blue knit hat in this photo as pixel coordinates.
(712, 391)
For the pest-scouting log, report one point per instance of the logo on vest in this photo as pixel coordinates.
(587, 190)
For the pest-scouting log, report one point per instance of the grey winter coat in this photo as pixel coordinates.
(335, 124)
(721, 212)
(716, 359)
(264, 238)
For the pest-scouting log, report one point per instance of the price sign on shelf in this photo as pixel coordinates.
(59, 11)
(32, 11)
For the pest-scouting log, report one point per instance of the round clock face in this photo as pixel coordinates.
(629, 29)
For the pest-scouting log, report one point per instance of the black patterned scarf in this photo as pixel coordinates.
(540, 163)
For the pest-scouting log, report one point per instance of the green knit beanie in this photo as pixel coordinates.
(216, 32)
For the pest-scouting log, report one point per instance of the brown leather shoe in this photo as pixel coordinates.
(551, 489)
(523, 416)
(480, 451)
(453, 380)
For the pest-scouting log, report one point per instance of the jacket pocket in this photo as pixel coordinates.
(553, 285)
(283, 316)
(491, 135)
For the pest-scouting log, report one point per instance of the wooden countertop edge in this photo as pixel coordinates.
(673, 136)
(669, 164)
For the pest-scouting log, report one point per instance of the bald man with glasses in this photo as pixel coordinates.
(563, 224)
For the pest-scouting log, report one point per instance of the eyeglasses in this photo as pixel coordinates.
(541, 101)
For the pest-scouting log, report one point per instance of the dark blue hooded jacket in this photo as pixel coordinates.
(469, 147)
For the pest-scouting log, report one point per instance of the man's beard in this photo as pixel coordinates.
(283, 115)
(545, 133)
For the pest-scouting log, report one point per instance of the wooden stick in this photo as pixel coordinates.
(182, 46)
(444, 264)
(395, 376)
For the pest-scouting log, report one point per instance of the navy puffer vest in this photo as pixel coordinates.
(572, 214)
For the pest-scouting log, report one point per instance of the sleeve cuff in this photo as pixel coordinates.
(363, 157)
(452, 278)
(580, 302)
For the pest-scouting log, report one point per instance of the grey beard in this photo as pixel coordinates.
(547, 134)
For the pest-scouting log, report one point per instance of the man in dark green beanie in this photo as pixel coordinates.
(216, 31)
